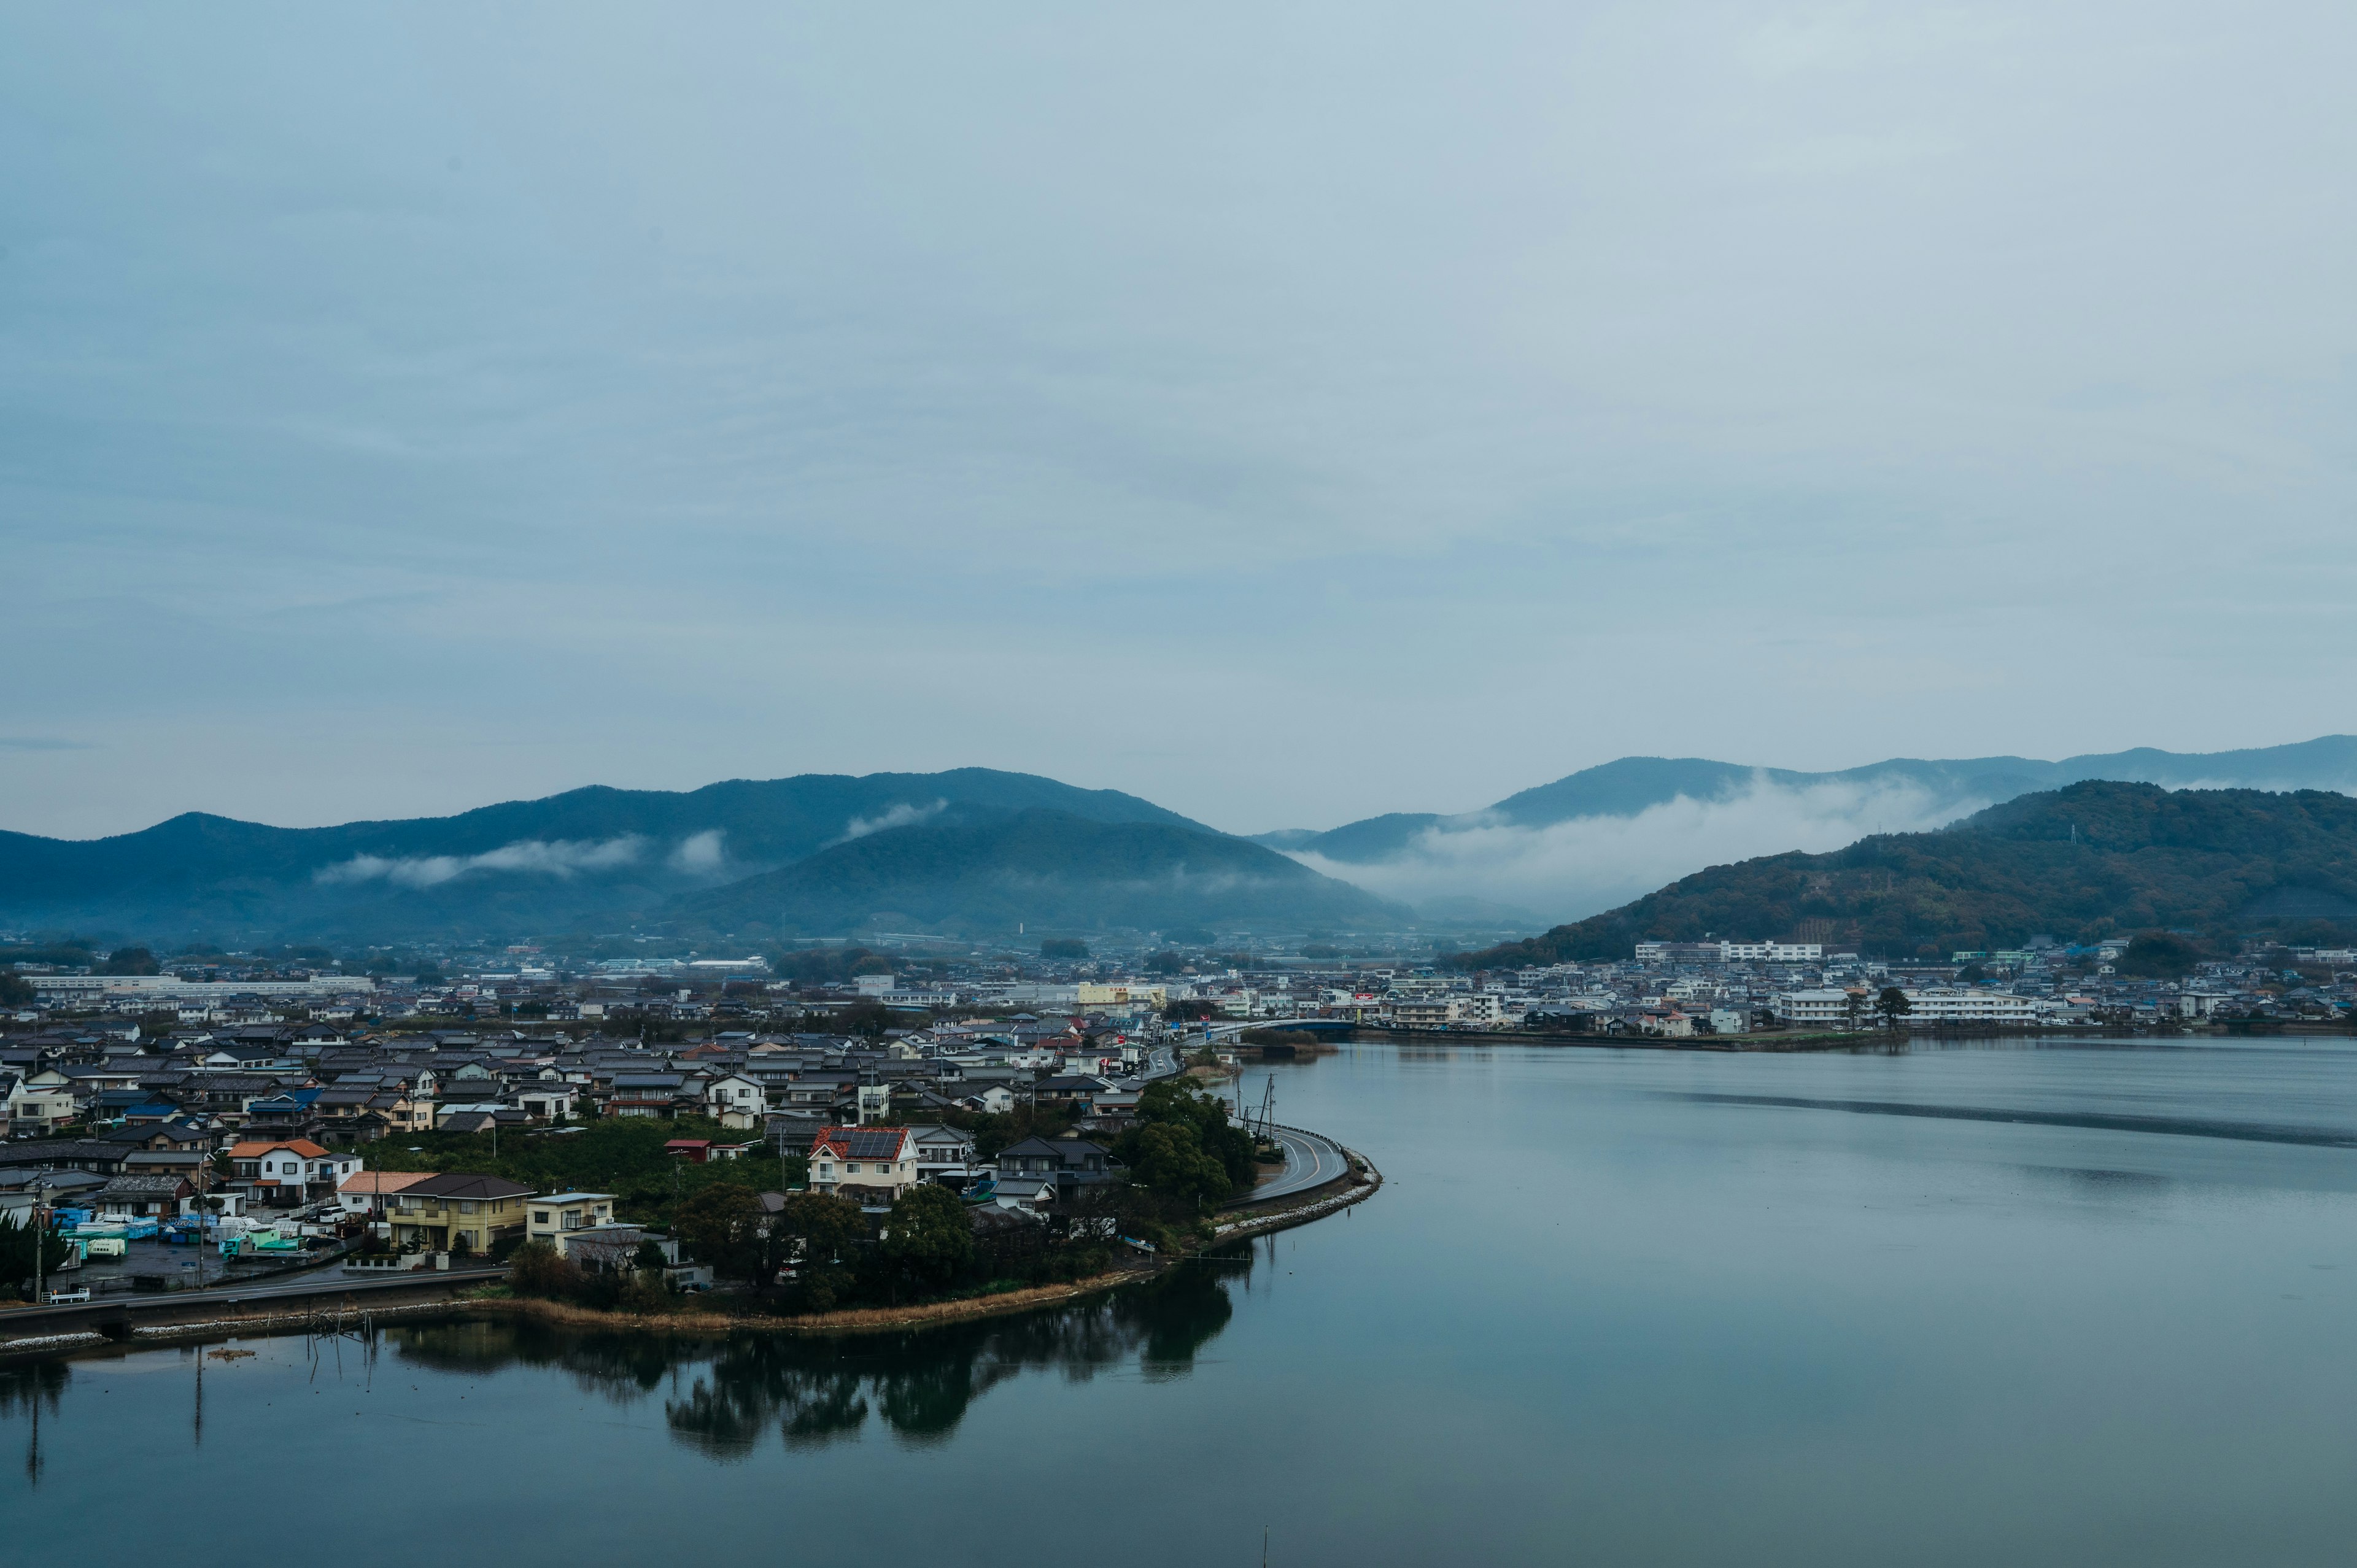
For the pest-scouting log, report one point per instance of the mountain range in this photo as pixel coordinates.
(974, 851)
(969, 849)
(988, 871)
(1605, 834)
(2092, 860)
(1631, 785)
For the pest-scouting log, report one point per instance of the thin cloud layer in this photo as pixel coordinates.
(559, 858)
(900, 816)
(1568, 870)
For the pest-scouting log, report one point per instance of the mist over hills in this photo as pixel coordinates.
(982, 871)
(2090, 860)
(975, 850)
(591, 855)
(1605, 834)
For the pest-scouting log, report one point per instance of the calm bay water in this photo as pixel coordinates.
(1961, 1305)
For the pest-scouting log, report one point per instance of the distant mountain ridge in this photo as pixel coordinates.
(975, 871)
(2090, 860)
(605, 858)
(590, 854)
(1631, 785)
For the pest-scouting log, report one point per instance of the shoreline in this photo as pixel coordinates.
(1776, 1044)
(1356, 1187)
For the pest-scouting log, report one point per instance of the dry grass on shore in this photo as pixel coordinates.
(852, 1320)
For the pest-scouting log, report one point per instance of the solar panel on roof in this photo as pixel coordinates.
(875, 1145)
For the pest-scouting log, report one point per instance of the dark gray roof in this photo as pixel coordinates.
(466, 1183)
(870, 1143)
(126, 1185)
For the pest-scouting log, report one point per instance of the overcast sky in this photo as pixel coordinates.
(1284, 412)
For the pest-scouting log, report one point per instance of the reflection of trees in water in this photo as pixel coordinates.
(1194, 1312)
(818, 1391)
(34, 1383)
(621, 1369)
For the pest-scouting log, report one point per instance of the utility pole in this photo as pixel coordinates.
(40, 1249)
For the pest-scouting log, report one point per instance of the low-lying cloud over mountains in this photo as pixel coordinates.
(975, 851)
(1599, 837)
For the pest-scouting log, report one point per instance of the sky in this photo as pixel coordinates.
(1286, 414)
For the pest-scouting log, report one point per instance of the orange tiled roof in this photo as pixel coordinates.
(257, 1148)
(381, 1182)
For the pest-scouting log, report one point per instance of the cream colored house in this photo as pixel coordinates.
(457, 1210)
(557, 1217)
(866, 1163)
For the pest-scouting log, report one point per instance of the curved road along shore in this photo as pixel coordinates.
(1312, 1159)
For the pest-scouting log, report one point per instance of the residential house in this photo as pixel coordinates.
(871, 1164)
(288, 1173)
(645, 1094)
(943, 1154)
(145, 1196)
(546, 1100)
(1063, 1160)
(736, 1100)
(90, 1154)
(559, 1217)
(370, 1192)
(39, 1102)
(457, 1212)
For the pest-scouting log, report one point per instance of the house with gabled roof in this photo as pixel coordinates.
(288, 1172)
(871, 1164)
(370, 1192)
(459, 1210)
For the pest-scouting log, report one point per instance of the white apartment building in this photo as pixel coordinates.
(116, 988)
(1969, 1006)
(1483, 1009)
(1772, 952)
(1735, 952)
(1828, 1006)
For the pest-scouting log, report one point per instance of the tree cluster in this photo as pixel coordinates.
(1181, 1145)
(17, 1262)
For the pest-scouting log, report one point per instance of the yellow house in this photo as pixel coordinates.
(457, 1211)
(555, 1219)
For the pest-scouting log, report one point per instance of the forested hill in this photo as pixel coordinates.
(2078, 863)
(973, 871)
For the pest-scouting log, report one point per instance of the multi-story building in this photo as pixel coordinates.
(1962, 1006)
(866, 1163)
(556, 1218)
(456, 1211)
(288, 1173)
(1824, 1008)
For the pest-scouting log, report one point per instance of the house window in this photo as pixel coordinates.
(851, 1168)
(540, 1217)
(466, 1209)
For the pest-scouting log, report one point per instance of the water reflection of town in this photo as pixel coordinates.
(722, 1396)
